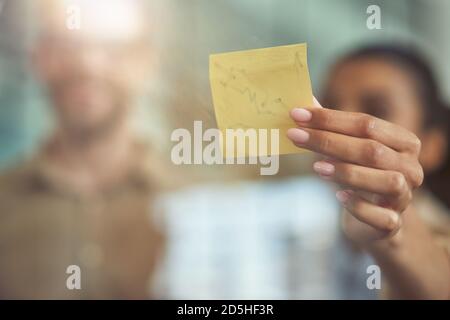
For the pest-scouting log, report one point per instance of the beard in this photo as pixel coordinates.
(89, 108)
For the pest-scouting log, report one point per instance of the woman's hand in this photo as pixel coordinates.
(374, 161)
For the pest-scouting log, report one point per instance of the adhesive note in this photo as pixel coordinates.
(256, 89)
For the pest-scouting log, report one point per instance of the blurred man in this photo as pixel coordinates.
(82, 200)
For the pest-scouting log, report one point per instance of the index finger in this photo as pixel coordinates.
(358, 125)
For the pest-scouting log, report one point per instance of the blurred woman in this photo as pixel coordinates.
(383, 128)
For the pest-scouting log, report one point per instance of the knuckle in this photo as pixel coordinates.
(325, 117)
(418, 177)
(375, 153)
(397, 183)
(325, 142)
(403, 202)
(348, 175)
(392, 222)
(413, 171)
(409, 196)
(368, 124)
(416, 145)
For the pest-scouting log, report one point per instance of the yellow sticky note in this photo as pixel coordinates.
(258, 88)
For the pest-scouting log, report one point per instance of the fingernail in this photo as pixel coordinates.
(298, 135)
(324, 168)
(301, 115)
(342, 196)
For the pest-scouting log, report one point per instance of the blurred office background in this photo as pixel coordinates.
(255, 243)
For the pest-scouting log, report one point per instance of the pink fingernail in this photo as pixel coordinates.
(301, 115)
(298, 135)
(324, 168)
(342, 196)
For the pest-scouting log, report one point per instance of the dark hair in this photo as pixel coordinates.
(414, 63)
(437, 114)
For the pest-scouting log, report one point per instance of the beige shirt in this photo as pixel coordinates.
(45, 228)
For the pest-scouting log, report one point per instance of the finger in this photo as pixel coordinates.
(360, 230)
(364, 152)
(358, 125)
(380, 218)
(345, 148)
(373, 198)
(391, 184)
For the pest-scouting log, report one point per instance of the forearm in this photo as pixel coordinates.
(413, 265)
